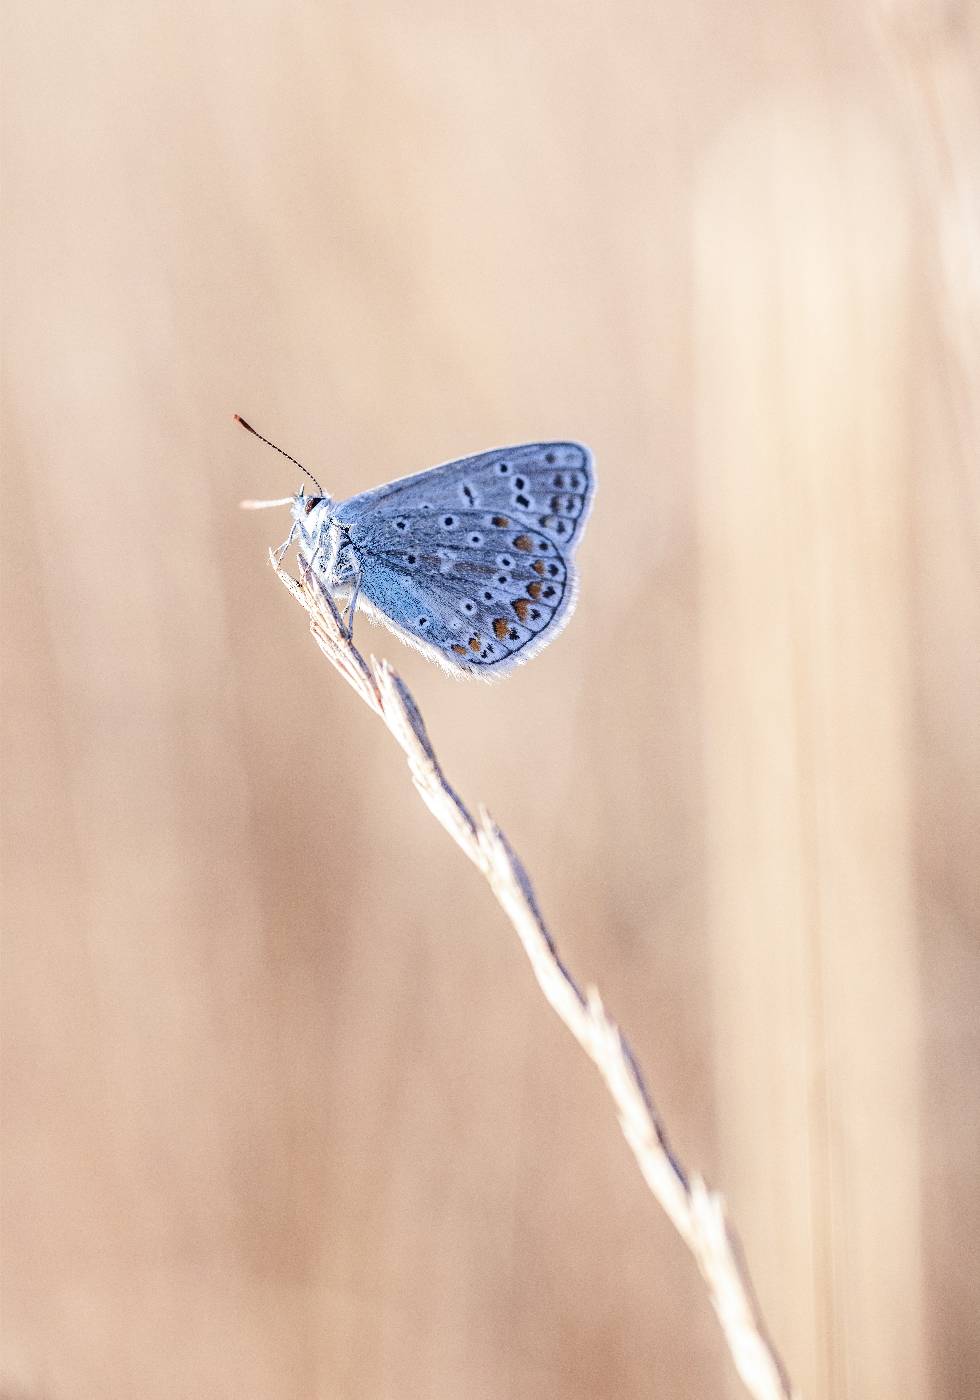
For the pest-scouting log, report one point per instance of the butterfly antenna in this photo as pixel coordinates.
(248, 428)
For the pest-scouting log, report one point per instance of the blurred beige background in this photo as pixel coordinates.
(284, 1113)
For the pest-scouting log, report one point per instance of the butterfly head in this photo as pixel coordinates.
(314, 527)
(304, 506)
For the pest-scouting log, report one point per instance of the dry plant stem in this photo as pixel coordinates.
(697, 1213)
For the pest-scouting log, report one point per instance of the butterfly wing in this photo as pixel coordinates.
(471, 561)
(547, 485)
(475, 597)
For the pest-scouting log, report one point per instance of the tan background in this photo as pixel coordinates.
(285, 1115)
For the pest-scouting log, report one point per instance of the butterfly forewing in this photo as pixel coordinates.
(546, 484)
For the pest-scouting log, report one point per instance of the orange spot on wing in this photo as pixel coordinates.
(538, 566)
(525, 543)
(534, 590)
(521, 607)
(474, 644)
(501, 520)
(460, 651)
(500, 627)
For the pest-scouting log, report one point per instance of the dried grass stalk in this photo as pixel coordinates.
(697, 1213)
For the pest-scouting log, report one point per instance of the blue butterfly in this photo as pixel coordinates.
(470, 562)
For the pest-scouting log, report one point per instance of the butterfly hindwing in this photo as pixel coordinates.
(478, 595)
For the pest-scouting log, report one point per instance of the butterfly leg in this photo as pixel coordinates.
(281, 551)
(317, 545)
(352, 604)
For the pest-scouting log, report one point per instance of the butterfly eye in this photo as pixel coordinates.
(312, 501)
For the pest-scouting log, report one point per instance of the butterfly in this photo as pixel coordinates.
(471, 562)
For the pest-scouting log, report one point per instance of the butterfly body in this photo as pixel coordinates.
(470, 562)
